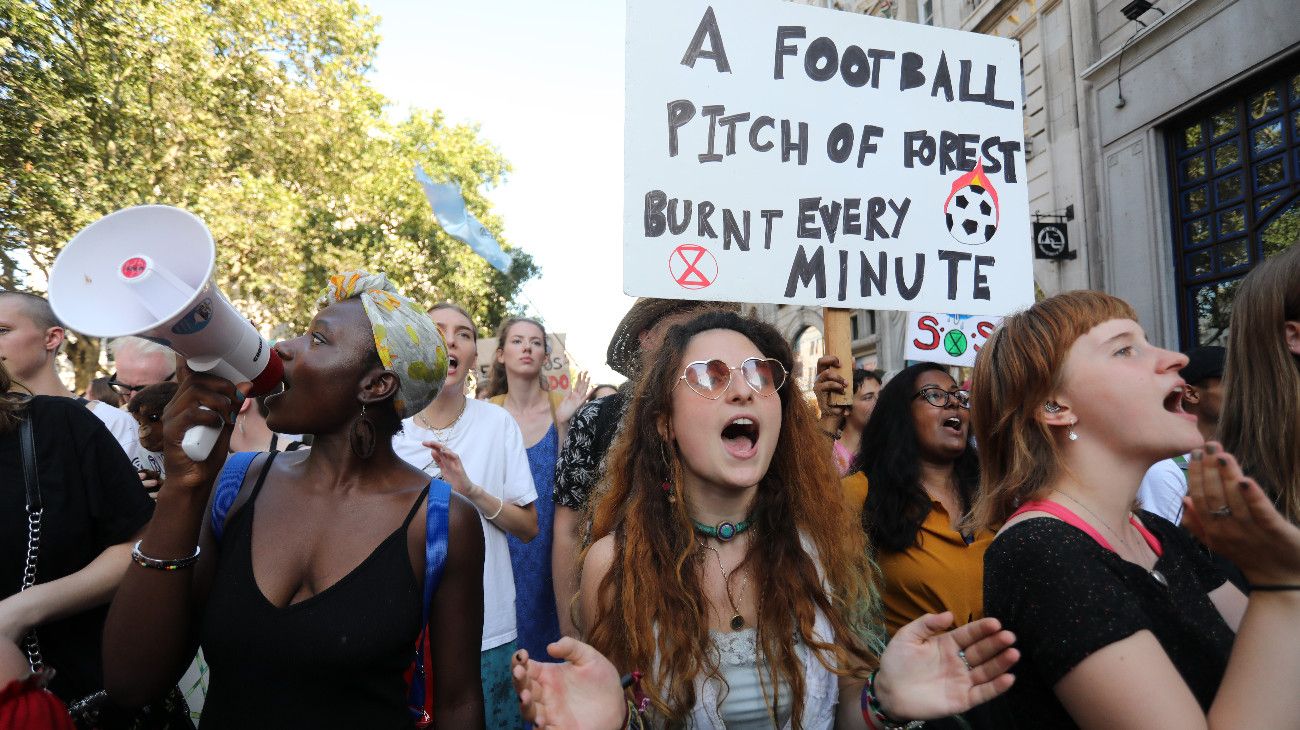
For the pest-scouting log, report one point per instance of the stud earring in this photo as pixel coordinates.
(1071, 434)
(1052, 407)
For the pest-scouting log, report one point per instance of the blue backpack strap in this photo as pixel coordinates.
(435, 558)
(228, 484)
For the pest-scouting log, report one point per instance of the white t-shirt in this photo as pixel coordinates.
(490, 445)
(120, 423)
(1163, 489)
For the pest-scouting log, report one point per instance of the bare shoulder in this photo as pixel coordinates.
(599, 558)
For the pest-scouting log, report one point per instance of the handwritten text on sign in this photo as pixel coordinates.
(951, 339)
(789, 154)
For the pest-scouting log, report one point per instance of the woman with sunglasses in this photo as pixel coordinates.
(726, 569)
(1123, 620)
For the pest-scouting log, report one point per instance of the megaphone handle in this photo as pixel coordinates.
(199, 440)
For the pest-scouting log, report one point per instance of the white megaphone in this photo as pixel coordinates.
(147, 271)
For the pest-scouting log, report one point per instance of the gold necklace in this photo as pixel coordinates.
(737, 621)
(442, 434)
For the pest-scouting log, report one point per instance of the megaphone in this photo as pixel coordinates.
(147, 271)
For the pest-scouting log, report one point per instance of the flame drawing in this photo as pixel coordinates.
(977, 178)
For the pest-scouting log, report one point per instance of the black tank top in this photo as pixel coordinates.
(334, 660)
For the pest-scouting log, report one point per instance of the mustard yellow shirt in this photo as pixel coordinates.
(942, 573)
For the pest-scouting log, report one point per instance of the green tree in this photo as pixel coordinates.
(256, 115)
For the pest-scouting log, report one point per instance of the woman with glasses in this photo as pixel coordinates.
(915, 478)
(727, 571)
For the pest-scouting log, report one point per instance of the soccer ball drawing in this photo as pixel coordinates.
(971, 210)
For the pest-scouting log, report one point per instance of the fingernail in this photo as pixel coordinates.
(1196, 455)
(1211, 448)
(1222, 461)
(1243, 484)
(239, 396)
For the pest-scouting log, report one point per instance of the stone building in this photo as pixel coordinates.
(1167, 132)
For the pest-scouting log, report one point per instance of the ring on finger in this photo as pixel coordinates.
(961, 654)
(1222, 512)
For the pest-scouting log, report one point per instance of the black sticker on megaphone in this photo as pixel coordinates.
(194, 320)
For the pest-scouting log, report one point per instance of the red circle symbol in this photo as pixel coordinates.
(133, 267)
(693, 266)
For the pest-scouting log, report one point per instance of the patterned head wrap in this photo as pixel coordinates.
(406, 339)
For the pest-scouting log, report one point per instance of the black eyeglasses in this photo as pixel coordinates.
(123, 389)
(940, 398)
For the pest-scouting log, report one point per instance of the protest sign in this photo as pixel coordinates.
(950, 339)
(787, 154)
(555, 369)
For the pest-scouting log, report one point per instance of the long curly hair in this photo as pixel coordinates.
(890, 457)
(810, 556)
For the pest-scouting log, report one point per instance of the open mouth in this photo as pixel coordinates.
(452, 362)
(740, 436)
(954, 423)
(1174, 403)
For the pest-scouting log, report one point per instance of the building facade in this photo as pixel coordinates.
(1166, 137)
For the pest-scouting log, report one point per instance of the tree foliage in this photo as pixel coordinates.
(258, 116)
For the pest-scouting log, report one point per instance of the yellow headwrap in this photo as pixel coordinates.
(406, 339)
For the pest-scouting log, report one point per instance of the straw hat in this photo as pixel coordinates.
(624, 353)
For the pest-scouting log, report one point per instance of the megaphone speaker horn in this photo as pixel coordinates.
(147, 271)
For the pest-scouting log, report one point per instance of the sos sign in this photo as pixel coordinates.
(950, 339)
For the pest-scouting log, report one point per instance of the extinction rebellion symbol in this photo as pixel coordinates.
(692, 266)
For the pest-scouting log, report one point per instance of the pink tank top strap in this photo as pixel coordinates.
(1067, 516)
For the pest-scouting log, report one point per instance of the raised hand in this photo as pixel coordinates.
(829, 381)
(923, 675)
(1232, 515)
(583, 693)
(453, 471)
(574, 398)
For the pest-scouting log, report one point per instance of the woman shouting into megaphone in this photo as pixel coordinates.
(309, 577)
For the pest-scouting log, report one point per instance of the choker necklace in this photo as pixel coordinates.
(723, 531)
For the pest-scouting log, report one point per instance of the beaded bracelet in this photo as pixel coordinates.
(145, 561)
(871, 710)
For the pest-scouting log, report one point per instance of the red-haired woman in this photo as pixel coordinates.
(727, 570)
(1122, 620)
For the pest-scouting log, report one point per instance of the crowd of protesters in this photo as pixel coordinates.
(1092, 532)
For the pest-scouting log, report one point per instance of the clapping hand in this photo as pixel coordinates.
(928, 672)
(583, 693)
(1232, 515)
(574, 398)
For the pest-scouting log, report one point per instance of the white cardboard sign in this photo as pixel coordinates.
(789, 154)
(950, 339)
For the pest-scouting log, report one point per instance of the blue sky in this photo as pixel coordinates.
(544, 80)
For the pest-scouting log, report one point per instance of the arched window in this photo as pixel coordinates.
(1235, 185)
(808, 346)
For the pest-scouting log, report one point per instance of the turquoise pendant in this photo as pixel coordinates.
(726, 531)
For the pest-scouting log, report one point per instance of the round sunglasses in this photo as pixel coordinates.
(711, 378)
